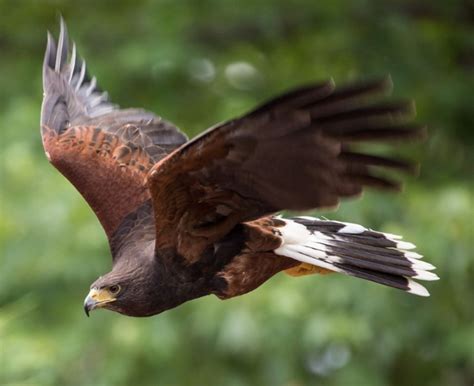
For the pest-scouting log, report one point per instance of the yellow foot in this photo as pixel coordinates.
(306, 269)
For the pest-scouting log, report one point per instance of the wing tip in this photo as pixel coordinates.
(49, 55)
(422, 132)
(62, 49)
(386, 83)
(56, 53)
(378, 85)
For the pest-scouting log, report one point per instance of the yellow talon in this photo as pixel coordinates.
(306, 269)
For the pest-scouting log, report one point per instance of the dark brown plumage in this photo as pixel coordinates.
(188, 219)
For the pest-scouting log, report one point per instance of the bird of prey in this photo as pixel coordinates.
(185, 219)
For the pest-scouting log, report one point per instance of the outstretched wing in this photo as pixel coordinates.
(105, 152)
(294, 152)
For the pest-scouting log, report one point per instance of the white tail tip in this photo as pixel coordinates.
(417, 289)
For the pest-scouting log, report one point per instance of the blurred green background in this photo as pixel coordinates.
(196, 63)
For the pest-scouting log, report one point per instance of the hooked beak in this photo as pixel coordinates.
(97, 298)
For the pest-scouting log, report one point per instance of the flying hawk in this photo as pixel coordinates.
(186, 219)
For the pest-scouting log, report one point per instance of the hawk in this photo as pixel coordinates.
(185, 219)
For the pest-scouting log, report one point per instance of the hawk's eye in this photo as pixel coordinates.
(114, 289)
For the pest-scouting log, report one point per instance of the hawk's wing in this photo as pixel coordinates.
(294, 152)
(105, 152)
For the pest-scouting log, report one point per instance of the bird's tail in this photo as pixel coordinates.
(354, 250)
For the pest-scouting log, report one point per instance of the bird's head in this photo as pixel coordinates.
(139, 290)
(127, 292)
(108, 292)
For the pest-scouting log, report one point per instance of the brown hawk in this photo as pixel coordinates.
(186, 219)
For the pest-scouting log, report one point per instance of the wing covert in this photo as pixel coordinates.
(295, 152)
(104, 151)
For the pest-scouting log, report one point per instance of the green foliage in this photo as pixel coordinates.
(196, 63)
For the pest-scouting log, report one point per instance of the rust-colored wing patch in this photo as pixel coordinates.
(250, 270)
(103, 150)
(107, 172)
(257, 262)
